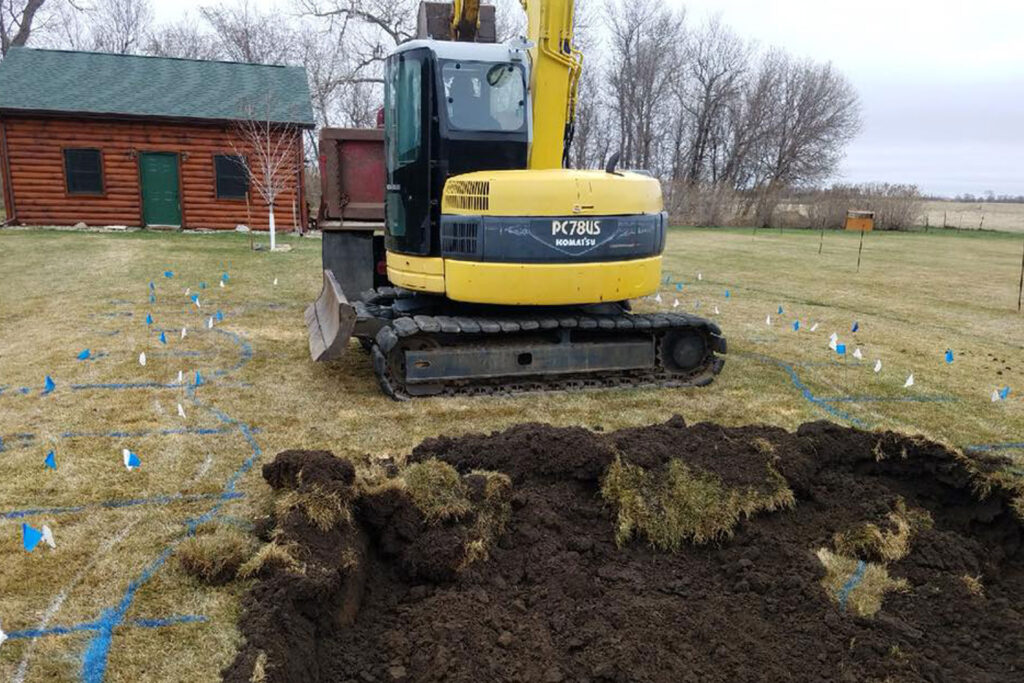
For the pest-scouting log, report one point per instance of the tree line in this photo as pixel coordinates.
(729, 126)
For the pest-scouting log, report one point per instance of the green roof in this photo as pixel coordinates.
(94, 83)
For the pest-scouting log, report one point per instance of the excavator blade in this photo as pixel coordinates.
(331, 320)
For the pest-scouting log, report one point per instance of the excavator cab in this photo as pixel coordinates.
(450, 108)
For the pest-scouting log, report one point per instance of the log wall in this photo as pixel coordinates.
(31, 156)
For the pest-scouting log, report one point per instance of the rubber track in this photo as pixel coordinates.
(399, 333)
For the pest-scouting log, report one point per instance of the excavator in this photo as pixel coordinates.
(506, 270)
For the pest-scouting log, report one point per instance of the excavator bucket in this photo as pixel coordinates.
(331, 320)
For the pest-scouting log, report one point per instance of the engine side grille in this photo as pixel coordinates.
(467, 195)
(459, 238)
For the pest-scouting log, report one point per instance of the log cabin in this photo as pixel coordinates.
(105, 139)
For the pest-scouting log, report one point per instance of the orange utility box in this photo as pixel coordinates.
(860, 220)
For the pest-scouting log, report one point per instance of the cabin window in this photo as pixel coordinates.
(83, 171)
(232, 178)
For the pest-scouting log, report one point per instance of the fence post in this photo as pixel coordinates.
(1020, 287)
(821, 242)
(861, 249)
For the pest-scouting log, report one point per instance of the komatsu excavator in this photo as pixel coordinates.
(509, 271)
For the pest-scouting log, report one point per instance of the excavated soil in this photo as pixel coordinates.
(559, 600)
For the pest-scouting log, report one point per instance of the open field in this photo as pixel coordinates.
(111, 602)
(971, 216)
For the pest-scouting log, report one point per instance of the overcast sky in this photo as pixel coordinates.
(941, 81)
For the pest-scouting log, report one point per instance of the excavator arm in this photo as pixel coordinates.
(554, 79)
(465, 20)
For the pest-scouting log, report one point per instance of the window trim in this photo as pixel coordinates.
(216, 189)
(64, 172)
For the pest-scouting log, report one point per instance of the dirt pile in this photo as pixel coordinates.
(887, 559)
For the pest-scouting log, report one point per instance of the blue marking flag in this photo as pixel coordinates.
(841, 349)
(727, 294)
(224, 277)
(151, 286)
(131, 461)
(51, 460)
(199, 379)
(796, 325)
(149, 318)
(84, 354)
(856, 326)
(220, 316)
(195, 298)
(49, 385)
(780, 310)
(163, 338)
(949, 356)
(30, 537)
(152, 298)
(168, 273)
(1004, 393)
(679, 286)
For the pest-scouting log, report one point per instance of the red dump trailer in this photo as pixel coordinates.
(351, 214)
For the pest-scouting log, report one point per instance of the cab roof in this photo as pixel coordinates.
(467, 52)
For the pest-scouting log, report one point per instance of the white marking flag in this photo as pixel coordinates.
(3, 636)
(858, 355)
(878, 366)
(48, 538)
(814, 327)
(142, 359)
(181, 412)
(910, 382)
(995, 396)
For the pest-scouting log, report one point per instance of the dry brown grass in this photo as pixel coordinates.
(325, 509)
(437, 490)
(679, 504)
(866, 597)
(915, 296)
(270, 555)
(973, 585)
(215, 557)
(884, 544)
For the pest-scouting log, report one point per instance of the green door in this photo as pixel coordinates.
(161, 201)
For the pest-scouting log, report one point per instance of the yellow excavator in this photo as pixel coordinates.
(507, 271)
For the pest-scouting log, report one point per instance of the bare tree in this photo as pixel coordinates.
(268, 151)
(183, 39)
(120, 26)
(249, 35)
(16, 22)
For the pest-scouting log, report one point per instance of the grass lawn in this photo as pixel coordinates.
(111, 602)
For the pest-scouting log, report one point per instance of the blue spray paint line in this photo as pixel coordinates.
(96, 656)
(205, 431)
(96, 626)
(996, 447)
(170, 621)
(94, 661)
(806, 392)
(121, 504)
(25, 440)
(126, 385)
(851, 583)
(890, 399)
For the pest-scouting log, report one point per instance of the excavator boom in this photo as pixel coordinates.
(554, 79)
